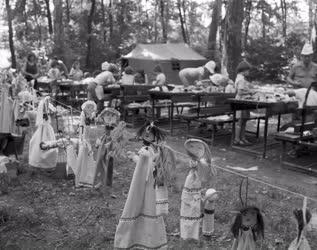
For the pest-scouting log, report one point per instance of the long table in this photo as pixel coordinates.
(180, 97)
(271, 108)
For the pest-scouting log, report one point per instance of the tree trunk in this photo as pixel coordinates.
(58, 28)
(36, 11)
(110, 23)
(162, 12)
(185, 22)
(11, 44)
(248, 10)
(263, 19)
(284, 16)
(89, 31)
(181, 20)
(49, 17)
(103, 28)
(213, 29)
(68, 11)
(155, 21)
(233, 35)
(310, 17)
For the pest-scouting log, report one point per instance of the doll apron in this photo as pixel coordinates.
(191, 206)
(139, 227)
(245, 241)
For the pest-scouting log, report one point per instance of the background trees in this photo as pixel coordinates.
(268, 32)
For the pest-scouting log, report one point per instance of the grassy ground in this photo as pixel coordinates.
(41, 212)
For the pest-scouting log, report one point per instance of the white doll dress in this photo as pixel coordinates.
(191, 206)
(139, 226)
(245, 241)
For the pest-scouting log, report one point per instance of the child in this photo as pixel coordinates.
(242, 88)
(160, 79)
(127, 76)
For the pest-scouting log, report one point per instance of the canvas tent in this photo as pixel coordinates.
(172, 57)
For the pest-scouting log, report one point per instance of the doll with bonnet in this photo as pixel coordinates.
(209, 212)
(200, 169)
(139, 226)
(83, 163)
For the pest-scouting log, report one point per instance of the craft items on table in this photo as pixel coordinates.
(248, 225)
(37, 157)
(303, 219)
(139, 226)
(111, 146)
(83, 163)
(209, 212)
(200, 170)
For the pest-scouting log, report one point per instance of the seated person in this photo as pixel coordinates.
(76, 73)
(61, 66)
(160, 79)
(87, 78)
(189, 76)
(127, 76)
(139, 77)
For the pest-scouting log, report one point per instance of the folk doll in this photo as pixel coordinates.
(83, 164)
(164, 163)
(139, 226)
(39, 158)
(301, 243)
(200, 168)
(209, 212)
(247, 228)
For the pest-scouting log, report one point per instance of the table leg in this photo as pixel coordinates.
(278, 122)
(171, 117)
(233, 133)
(265, 133)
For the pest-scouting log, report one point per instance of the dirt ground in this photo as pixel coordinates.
(41, 212)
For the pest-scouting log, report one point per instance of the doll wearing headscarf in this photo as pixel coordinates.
(83, 164)
(37, 157)
(247, 228)
(301, 243)
(200, 168)
(139, 226)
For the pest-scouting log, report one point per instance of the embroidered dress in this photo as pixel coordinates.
(209, 218)
(191, 205)
(245, 240)
(37, 157)
(139, 227)
(6, 111)
(302, 244)
(161, 200)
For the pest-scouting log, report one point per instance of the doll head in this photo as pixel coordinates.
(249, 218)
(211, 194)
(89, 109)
(110, 117)
(150, 133)
(197, 149)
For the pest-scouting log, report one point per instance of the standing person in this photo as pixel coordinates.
(242, 87)
(160, 79)
(30, 69)
(76, 73)
(304, 72)
(95, 88)
(189, 76)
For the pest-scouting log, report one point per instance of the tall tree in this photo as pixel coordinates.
(58, 28)
(181, 19)
(110, 13)
(104, 24)
(162, 12)
(49, 17)
(37, 11)
(89, 31)
(284, 17)
(184, 7)
(11, 44)
(248, 11)
(213, 28)
(233, 30)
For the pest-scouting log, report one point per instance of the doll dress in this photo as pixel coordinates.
(245, 241)
(302, 244)
(208, 220)
(139, 226)
(6, 112)
(191, 206)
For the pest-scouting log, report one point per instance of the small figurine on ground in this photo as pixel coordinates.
(209, 212)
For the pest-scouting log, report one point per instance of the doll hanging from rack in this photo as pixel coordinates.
(140, 226)
(201, 170)
(248, 225)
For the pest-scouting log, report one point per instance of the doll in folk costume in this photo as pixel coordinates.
(209, 212)
(139, 226)
(39, 158)
(303, 219)
(83, 164)
(201, 168)
(165, 163)
(111, 145)
(6, 110)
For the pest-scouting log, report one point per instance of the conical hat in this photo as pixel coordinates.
(307, 49)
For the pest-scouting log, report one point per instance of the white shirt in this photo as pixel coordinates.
(105, 77)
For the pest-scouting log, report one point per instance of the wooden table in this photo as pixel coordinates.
(176, 97)
(271, 108)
